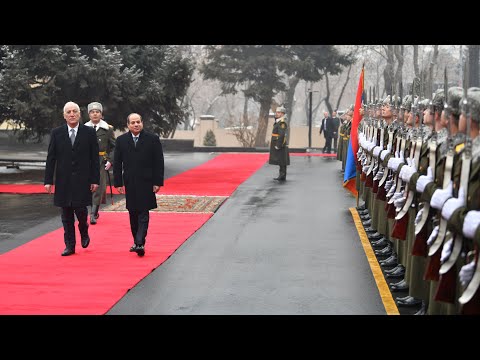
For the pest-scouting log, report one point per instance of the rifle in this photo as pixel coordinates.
(448, 275)
(420, 236)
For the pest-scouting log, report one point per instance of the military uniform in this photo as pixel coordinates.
(106, 145)
(279, 154)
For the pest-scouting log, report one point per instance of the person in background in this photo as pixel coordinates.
(279, 154)
(322, 129)
(106, 145)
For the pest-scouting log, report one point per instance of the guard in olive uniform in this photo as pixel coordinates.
(278, 144)
(106, 144)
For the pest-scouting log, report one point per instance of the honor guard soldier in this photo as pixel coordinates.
(106, 144)
(279, 154)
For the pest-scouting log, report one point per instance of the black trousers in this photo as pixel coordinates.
(282, 173)
(335, 141)
(139, 225)
(68, 221)
(328, 144)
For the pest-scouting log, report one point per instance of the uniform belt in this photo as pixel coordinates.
(101, 153)
(275, 134)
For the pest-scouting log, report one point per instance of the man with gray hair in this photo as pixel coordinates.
(72, 159)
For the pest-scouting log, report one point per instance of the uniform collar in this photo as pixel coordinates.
(101, 124)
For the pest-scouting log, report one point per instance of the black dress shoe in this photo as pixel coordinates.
(280, 179)
(365, 217)
(370, 230)
(363, 212)
(422, 311)
(367, 223)
(403, 298)
(387, 249)
(400, 286)
(140, 250)
(133, 248)
(399, 273)
(361, 207)
(391, 261)
(68, 251)
(399, 266)
(409, 302)
(374, 236)
(382, 242)
(85, 241)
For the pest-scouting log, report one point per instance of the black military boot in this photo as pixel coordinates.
(94, 214)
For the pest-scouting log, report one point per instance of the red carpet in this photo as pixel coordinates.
(35, 279)
(218, 177)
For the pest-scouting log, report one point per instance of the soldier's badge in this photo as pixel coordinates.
(283, 126)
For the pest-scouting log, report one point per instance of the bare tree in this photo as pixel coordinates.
(431, 67)
(473, 59)
(415, 61)
(243, 130)
(388, 72)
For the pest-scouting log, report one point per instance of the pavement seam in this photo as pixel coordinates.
(385, 294)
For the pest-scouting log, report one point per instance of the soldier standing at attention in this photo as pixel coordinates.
(278, 144)
(106, 144)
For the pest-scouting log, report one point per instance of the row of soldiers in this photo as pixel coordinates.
(418, 173)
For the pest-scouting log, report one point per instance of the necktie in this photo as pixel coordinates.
(95, 127)
(135, 139)
(72, 136)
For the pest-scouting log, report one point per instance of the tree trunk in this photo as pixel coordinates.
(473, 59)
(398, 49)
(245, 111)
(262, 123)
(344, 86)
(388, 72)
(430, 84)
(327, 97)
(289, 96)
(290, 101)
(415, 61)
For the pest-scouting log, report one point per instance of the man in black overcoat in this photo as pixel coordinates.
(72, 159)
(138, 171)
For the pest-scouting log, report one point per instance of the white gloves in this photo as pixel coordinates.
(399, 199)
(370, 146)
(388, 185)
(470, 224)
(108, 165)
(466, 273)
(385, 152)
(407, 171)
(446, 250)
(277, 148)
(433, 235)
(423, 180)
(399, 202)
(391, 192)
(379, 175)
(453, 204)
(441, 195)
(419, 216)
(376, 151)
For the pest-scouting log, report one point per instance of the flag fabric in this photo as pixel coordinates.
(350, 174)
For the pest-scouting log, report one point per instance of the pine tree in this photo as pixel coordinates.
(209, 139)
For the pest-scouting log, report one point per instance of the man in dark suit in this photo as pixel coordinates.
(73, 158)
(322, 129)
(139, 166)
(335, 126)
